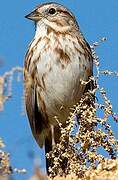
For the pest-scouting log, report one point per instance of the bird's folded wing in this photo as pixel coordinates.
(34, 115)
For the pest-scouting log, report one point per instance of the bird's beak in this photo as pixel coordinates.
(34, 16)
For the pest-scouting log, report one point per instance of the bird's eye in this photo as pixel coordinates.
(52, 11)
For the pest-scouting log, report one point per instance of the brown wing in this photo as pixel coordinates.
(34, 115)
(35, 106)
(34, 103)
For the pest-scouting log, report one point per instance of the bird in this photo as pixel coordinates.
(58, 59)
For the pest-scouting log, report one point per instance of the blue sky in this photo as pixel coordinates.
(97, 19)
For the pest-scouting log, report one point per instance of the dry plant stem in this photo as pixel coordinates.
(4, 160)
(5, 167)
(6, 84)
(107, 170)
(87, 133)
(111, 73)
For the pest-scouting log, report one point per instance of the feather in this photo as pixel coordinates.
(34, 115)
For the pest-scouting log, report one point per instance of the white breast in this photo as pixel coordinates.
(62, 83)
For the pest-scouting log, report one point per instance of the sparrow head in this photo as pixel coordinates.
(53, 15)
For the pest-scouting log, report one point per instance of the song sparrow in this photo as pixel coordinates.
(57, 59)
